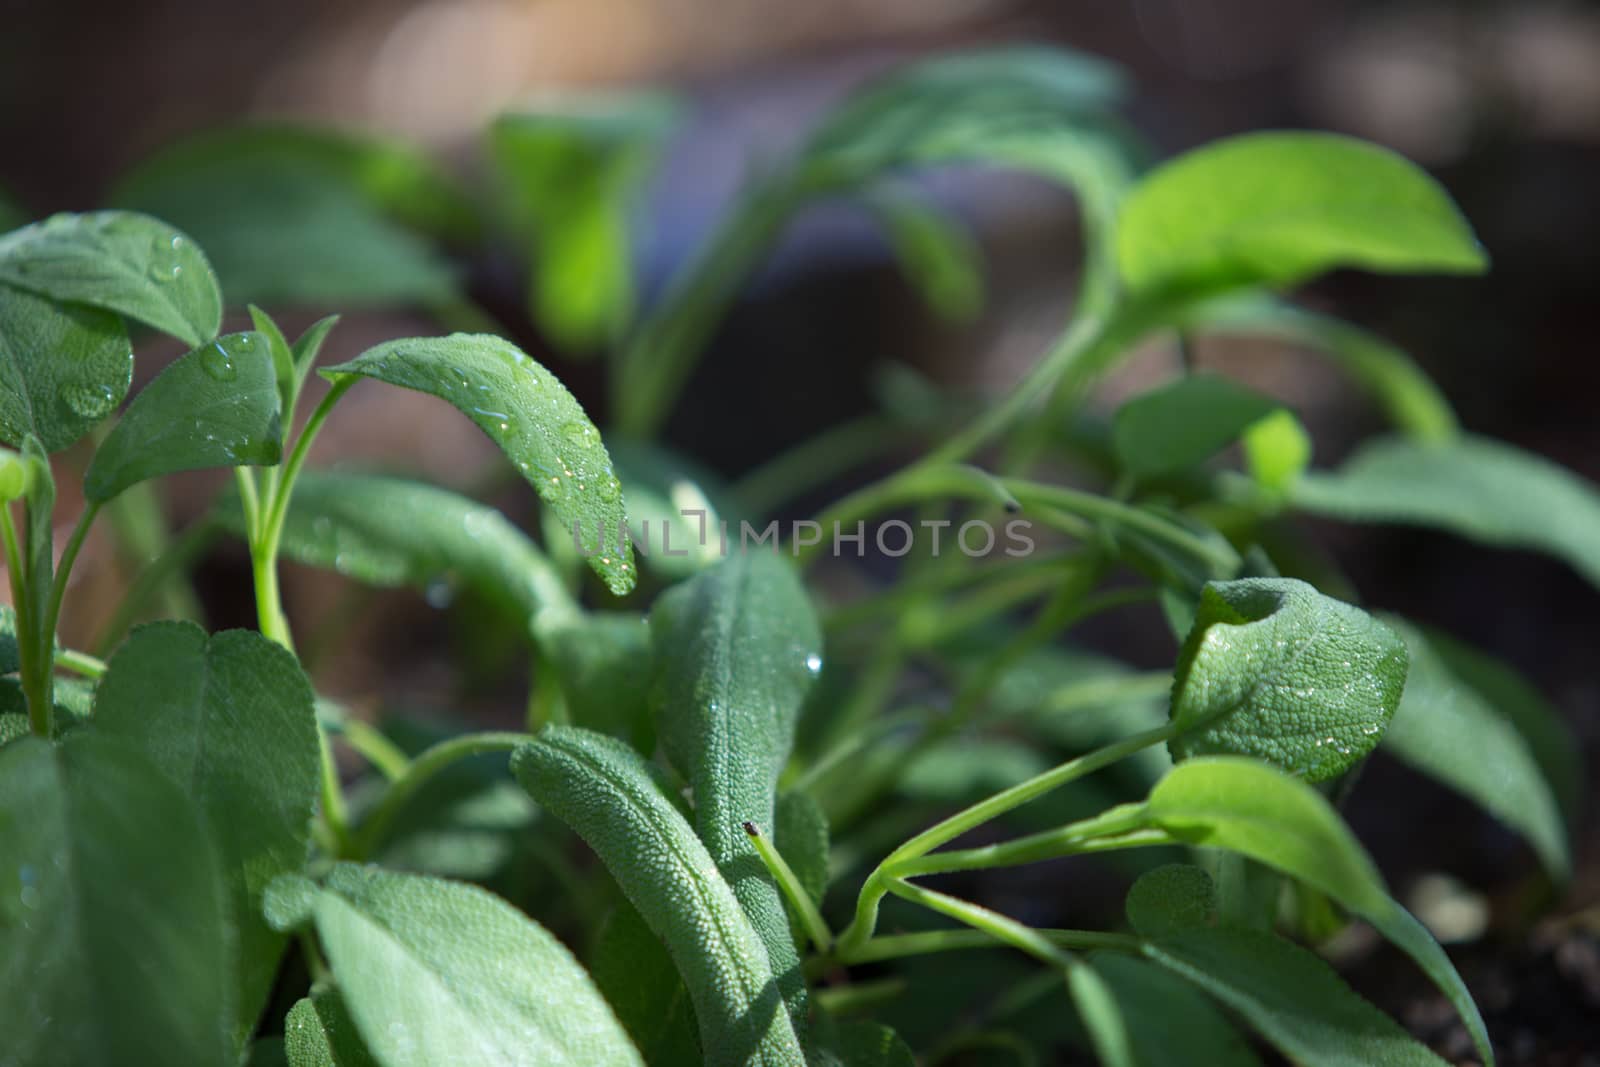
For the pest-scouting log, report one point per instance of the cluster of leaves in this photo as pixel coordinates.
(185, 877)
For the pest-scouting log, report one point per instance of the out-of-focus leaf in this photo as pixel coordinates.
(62, 369)
(1173, 1025)
(1184, 422)
(638, 978)
(605, 664)
(676, 509)
(938, 256)
(1277, 451)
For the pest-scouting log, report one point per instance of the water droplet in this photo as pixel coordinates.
(178, 242)
(439, 593)
(90, 401)
(216, 361)
(244, 342)
(814, 663)
(577, 432)
(608, 489)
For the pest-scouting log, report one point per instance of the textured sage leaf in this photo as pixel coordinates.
(572, 177)
(1290, 997)
(62, 369)
(318, 1032)
(389, 531)
(302, 216)
(73, 697)
(604, 662)
(936, 254)
(737, 648)
(438, 972)
(1276, 208)
(1183, 423)
(633, 970)
(604, 790)
(1451, 732)
(1274, 669)
(527, 412)
(112, 937)
(119, 261)
(1174, 1026)
(218, 406)
(1252, 809)
(1480, 489)
(1172, 897)
(229, 719)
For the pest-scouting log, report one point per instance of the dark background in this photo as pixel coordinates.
(1500, 100)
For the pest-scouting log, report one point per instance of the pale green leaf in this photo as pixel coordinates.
(62, 369)
(1184, 422)
(218, 406)
(1250, 808)
(1480, 489)
(737, 648)
(1451, 732)
(119, 261)
(538, 424)
(605, 791)
(437, 972)
(112, 936)
(1173, 1025)
(1276, 670)
(229, 719)
(1277, 208)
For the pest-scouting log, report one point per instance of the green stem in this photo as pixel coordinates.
(1094, 506)
(422, 769)
(389, 759)
(334, 814)
(1073, 840)
(859, 996)
(1005, 930)
(897, 946)
(80, 663)
(810, 918)
(69, 556)
(866, 917)
(36, 694)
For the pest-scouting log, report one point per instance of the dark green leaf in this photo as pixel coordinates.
(229, 719)
(1291, 997)
(318, 1032)
(962, 770)
(119, 261)
(392, 531)
(303, 216)
(737, 648)
(1253, 809)
(604, 662)
(1480, 489)
(1449, 731)
(939, 257)
(12, 214)
(800, 834)
(1183, 423)
(527, 412)
(1274, 669)
(861, 1043)
(605, 792)
(62, 369)
(634, 971)
(1170, 898)
(218, 406)
(1173, 1026)
(437, 972)
(1277, 208)
(112, 941)
(572, 178)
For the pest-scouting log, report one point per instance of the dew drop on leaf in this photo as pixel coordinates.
(216, 361)
(90, 401)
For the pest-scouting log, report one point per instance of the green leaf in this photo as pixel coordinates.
(229, 719)
(1277, 451)
(442, 972)
(1412, 402)
(605, 792)
(318, 1032)
(737, 648)
(393, 531)
(604, 662)
(1101, 1016)
(963, 770)
(633, 969)
(800, 834)
(1174, 1025)
(1290, 996)
(118, 261)
(862, 1043)
(1277, 208)
(218, 406)
(938, 256)
(527, 412)
(1250, 808)
(1448, 730)
(302, 216)
(666, 494)
(1169, 898)
(62, 369)
(111, 931)
(572, 177)
(1276, 670)
(1480, 489)
(1183, 423)
(12, 213)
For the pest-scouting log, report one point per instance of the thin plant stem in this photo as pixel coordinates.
(390, 760)
(419, 773)
(811, 920)
(69, 556)
(80, 663)
(1005, 930)
(816, 461)
(925, 942)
